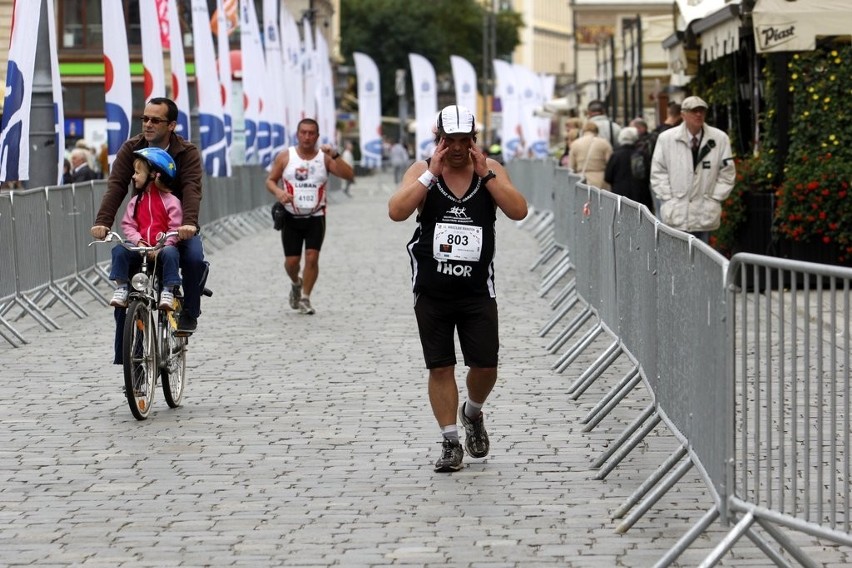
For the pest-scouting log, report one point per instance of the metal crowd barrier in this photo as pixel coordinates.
(44, 235)
(747, 362)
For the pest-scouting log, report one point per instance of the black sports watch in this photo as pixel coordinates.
(488, 177)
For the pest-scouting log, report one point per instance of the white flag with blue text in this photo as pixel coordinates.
(211, 124)
(152, 52)
(464, 79)
(369, 110)
(225, 79)
(180, 91)
(275, 99)
(118, 97)
(15, 136)
(425, 104)
(56, 83)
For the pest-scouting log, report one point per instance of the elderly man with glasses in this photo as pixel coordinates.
(158, 124)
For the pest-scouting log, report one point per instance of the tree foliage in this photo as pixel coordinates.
(388, 30)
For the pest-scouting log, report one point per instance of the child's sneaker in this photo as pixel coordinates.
(119, 297)
(167, 300)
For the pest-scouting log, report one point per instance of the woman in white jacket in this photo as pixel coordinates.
(692, 172)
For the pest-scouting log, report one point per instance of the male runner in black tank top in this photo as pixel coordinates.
(456, 194)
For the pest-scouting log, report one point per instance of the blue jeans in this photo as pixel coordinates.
(193, 267)
(125, 263)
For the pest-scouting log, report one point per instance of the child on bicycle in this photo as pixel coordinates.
(151, 211)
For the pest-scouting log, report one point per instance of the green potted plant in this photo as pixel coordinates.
(814, 209)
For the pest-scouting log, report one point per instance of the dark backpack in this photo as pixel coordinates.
(638, 167)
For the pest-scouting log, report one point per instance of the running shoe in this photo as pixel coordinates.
(476, 438)
(295, 294)
(119, 297)
(451, 457)
(305, 307)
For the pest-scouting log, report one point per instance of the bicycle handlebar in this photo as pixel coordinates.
(113, 236)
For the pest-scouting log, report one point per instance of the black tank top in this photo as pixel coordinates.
(452, 250)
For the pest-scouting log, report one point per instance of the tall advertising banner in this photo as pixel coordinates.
(275, 99)
(152, 52)
(118, 98)
(369, 110)
(510, 103)
(180, 92)
(56, 83)
(294, 77)
(464, 80)
(531, 100)
(548, 87)
(309, 71)
(225, 77)
(15, 136)
(211, 124)
(251, 79)
(425, 104)
(326, 112)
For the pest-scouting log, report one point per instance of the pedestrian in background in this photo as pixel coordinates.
(348, 157)
(673, 117)
(589, 155)
(627, 170)
(399, 159)
(607, 129)
(692, 172)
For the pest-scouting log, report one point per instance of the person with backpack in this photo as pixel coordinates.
(628, 169)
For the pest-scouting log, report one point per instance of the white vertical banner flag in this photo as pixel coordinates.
(294, 77)
(425, 104)
(256, 62)
(548, 88)
(225, 78)
(510, 127)
(274, 100)
(56, 83)
(251, 79)
(180, 90)
(326, 112)
(211, 124)
(464, 80)
(152, 52)
(119, 102)
(309, 71)
(531, 101)
(15, 136)
(369, 110)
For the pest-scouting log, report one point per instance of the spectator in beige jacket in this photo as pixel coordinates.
(589, 155)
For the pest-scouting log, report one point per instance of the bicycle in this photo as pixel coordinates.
(151, 347)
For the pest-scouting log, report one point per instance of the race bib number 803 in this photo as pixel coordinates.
(457, 242)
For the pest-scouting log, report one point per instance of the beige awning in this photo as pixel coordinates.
(719, 32)
(795, 25)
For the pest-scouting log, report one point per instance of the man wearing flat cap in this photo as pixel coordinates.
(692, 172)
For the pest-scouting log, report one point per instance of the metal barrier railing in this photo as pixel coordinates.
(667, 300)
(44, 233)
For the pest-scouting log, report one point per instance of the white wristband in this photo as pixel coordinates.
(426, 178)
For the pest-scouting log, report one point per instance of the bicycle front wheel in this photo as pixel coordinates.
(140, 359)
(173, 370)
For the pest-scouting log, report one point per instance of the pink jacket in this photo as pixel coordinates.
(151, 213)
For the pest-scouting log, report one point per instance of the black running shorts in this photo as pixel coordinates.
(298, 231)
(474, 318)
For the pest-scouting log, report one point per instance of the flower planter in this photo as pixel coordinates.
(755, 234)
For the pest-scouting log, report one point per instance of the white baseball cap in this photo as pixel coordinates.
(456, 119)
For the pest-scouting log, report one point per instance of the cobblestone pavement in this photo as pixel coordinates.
(308, 440)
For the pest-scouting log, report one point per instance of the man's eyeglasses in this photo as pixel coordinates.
(153, 119)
